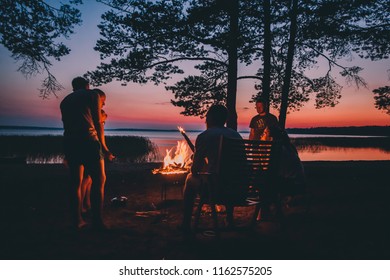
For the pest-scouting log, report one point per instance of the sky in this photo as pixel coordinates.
(148, 106)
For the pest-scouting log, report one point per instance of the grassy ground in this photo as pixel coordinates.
(348, 218)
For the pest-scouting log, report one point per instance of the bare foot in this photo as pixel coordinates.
(81, 224)
(85, 210)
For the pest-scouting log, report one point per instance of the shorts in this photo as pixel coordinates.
(83, 152)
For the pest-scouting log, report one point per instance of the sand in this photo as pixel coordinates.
(348, 218)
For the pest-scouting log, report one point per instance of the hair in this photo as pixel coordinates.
(217, 115)
(79, 83)
(100, 92)
(262, 100)
(104, 115)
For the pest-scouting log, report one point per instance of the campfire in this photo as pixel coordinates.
(180, 162)
(176, 162)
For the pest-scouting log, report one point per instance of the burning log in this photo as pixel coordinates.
(181, 162)
(183, 132)
(178, 164)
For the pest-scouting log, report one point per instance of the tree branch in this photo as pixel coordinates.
(183, 58)
(248, 77)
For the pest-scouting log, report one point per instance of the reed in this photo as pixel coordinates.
(44, 149)
(382, 143)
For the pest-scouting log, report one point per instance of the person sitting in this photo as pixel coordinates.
(205, 158)
(291, 171)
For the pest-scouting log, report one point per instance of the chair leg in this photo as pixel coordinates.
(255, 214)
(197, 214)
(229, 215)
(215, 219)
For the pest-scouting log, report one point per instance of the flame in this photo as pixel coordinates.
(179, 163)
(181, 158)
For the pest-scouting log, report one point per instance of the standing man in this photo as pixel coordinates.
(85, 148)
(262, 124)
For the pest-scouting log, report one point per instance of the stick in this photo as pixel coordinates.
(182, 131)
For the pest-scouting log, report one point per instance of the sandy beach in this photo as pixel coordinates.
(347, 219)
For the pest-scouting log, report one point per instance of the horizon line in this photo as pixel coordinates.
(192, 130)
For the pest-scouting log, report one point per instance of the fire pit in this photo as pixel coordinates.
(170, 179)
(175, 167)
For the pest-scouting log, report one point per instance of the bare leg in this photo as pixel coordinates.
(87, 199)
(86, 193)
(190, 191)
(76, 176)
(98, 176)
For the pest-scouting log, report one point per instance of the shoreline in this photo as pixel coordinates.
(136, 148)
(369, 130)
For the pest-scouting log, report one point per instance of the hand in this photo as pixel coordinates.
(109, 156)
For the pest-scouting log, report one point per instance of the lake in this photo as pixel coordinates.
(167, 139)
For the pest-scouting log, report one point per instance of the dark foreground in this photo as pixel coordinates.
(348, 219)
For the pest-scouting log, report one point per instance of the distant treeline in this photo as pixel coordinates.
(126, 148)
(350, 130)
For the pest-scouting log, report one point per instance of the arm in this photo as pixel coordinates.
(96, 111)
(199, 157)
(252, 134)
(252, 125)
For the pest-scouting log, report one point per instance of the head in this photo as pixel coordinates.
(261, 106)
(216, 116)
(102, 95)
(80, 83)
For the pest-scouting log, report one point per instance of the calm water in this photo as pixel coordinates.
(168, 139)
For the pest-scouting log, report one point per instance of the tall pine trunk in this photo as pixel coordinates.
(266, 82)
(289, 64)
(232, 68)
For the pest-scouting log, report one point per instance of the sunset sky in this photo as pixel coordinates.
(148, 106)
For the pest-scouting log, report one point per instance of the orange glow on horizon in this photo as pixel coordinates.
(151, 109)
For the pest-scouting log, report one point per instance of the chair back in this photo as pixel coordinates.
(243, 164)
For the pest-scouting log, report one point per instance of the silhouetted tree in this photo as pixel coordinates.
(267, 51)
(146, 41)
(359, 27)
(382, 98)
(30, 31)
(305, 31)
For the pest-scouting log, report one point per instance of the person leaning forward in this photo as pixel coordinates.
(85, 148)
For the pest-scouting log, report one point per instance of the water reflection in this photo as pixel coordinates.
(339, 149)
(319, 152)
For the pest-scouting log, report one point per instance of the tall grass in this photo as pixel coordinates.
(49, 149)
(310, 143)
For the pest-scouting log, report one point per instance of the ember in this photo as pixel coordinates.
(179, 163)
